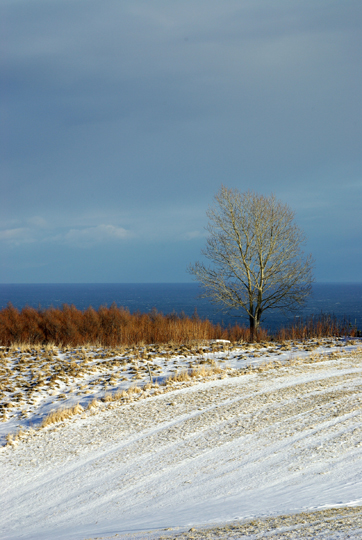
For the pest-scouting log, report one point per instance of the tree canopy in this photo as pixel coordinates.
(254, 247)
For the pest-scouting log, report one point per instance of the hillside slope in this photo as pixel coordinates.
(281, 441)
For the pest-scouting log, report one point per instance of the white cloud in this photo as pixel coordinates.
(81, 237)
(38, 221)
(22, 234)
(94, 235)
(19, 235)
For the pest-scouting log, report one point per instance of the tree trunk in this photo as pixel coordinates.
(254, 325)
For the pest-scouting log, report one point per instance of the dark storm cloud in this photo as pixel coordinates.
(127, 116)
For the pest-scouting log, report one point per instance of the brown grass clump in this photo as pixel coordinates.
(182, 376)
(119, 395)
(204, 371)
(200, 371)
(61, 415)
(265, 367)
(9, 439)
(134, 390)
(92, 404)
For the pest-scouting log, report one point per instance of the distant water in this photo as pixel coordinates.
(341, 300)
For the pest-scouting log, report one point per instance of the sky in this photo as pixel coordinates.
(122, 119)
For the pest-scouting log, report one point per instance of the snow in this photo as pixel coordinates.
(237, 444)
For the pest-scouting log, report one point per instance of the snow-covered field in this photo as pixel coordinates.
(263, 431)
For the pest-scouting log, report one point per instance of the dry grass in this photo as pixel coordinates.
(61, 415)
(28, 372)
(112, 327)
(93, 404)
(116, 327)
(204, 371)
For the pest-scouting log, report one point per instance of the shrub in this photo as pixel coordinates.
(116, 326)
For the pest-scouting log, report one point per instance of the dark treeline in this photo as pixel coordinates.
(112, 326)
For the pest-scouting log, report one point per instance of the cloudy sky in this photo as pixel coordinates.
(122, 118)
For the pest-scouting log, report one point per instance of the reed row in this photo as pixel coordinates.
(112, 326)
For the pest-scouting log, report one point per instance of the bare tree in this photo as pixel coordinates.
(255, 250)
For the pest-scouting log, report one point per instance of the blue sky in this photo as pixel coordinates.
(122, 118)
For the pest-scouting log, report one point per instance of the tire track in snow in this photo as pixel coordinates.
(163, 458)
